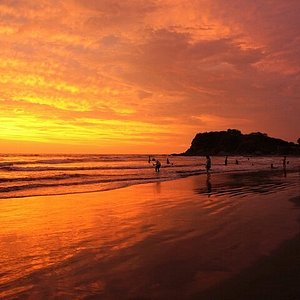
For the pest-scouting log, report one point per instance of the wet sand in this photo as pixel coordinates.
(273, 277)
(228, 236)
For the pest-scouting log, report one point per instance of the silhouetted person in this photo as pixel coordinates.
(157, 165)
(236, 162)
(272, 166)
(168, 162)
(225, 162)
(149, 159)
(208, 163)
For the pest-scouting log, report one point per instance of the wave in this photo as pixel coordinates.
(54, 177)
(57, 161)
(34, 169)
(81, 168)
(61, 180)
(77, 159)
(6, 164)
(101, 184)
(96, 181)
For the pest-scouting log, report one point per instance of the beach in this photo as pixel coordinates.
(200, 237)
(149, 150)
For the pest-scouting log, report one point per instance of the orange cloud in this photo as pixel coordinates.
(153, 73)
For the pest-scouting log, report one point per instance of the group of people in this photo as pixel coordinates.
(208, 162)
(284, 163)
(157, 163)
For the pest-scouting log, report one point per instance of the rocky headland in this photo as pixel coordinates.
(233, 142)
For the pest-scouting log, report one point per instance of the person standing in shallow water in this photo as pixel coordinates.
(157, 165)
(208, 163)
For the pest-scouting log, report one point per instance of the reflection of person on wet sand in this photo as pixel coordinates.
(158, 187)
(284, 172)
(284, 166)
(208, 185)
(208, 163)
(284, 162)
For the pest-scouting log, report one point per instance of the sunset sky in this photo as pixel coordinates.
(130, 76)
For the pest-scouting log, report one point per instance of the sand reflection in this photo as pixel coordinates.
(160, 241)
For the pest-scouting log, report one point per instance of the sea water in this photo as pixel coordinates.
(40, 174)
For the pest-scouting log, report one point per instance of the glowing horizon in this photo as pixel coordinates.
(145, 76)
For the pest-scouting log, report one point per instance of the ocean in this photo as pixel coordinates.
(40, 174)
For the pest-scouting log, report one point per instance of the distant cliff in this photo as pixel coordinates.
(233, 142)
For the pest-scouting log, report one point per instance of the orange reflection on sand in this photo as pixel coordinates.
(159, 240)
(40, 232)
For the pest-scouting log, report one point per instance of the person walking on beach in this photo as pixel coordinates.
(208, 164)
(168, 162)
(225, 162)
(157, 165)
(149, 159)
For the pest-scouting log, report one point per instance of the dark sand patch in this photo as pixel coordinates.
(273, 277)
(296, 200)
